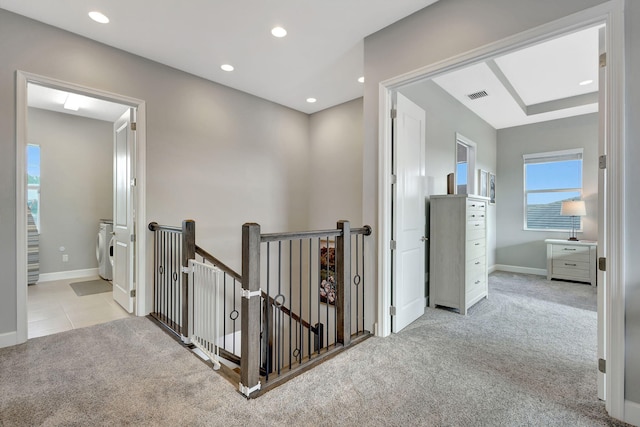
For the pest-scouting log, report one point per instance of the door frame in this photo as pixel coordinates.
(23, 78)
(611, 14)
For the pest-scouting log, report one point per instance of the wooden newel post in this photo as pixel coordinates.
(343, 283)
(250, 321)
(188, 252)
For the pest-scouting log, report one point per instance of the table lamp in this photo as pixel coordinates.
(573, 208)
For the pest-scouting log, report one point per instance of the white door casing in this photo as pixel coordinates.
(602, 218)
(409, 226)
(123, 211)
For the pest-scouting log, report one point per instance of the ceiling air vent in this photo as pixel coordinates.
(477, 95)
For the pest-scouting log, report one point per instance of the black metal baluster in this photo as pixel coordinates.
(290, 294)
(310, 292)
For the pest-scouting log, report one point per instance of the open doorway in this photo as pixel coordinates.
(401, 83)
(73, 202)
(78, 147)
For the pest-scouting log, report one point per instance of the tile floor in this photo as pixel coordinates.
(54, 307)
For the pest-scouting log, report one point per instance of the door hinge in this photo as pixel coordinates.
(134, 182)
(392, 310)
(602, 366)
(394, 113)
(603, 59)
(132, 293)
(134, 126)
(133, 238)
(394, 179)
(393, 245)
(602, 161)
(602, 264)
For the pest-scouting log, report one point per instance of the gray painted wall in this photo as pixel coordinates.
(526, 248)
(214, 154)
(76, 189)
(335, 182)
(445, 117)
(452, 27)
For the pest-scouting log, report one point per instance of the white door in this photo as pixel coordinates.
(602, 221)
(123, 211)
(408, 268)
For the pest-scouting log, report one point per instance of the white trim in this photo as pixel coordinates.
(521, 270)
(384, 213)
(22, 79)
(632, 412)
(65, 275)
(491, 269)
(21, 208)
(615, 274)
(612, 13)
(8, 339)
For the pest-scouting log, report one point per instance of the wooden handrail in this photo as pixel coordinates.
(289, 313)
(215, 261)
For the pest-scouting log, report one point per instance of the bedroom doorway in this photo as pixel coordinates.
(609, 199)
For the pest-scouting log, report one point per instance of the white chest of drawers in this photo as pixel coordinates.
(458, 251)
(571, 260)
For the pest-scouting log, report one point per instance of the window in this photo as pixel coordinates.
(33, 182)
(549, 179)
(465, 165)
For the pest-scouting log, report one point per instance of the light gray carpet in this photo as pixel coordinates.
(525, 357)
(91, 287)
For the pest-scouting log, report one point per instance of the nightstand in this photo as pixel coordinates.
(571, 260)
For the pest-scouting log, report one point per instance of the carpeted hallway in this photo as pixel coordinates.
(525, 356)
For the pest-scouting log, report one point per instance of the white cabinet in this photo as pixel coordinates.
(571, 260)
(458, 251)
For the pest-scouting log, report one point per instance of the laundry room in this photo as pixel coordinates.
(76, 190)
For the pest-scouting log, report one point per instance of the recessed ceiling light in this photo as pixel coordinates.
(311, 100)
(98, 17)
(227, 67)
(361, 79)
(586, 82)
(279, 32)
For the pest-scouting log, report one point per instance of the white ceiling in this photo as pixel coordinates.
(321, 57)
(54, 100)
(536, 84)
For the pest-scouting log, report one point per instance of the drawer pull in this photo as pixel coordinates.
(477, 244)
(569, 249)
(477, 281)
(477, 262)
(477, 225)
(570, 265)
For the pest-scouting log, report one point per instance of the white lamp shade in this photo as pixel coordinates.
(573, 208)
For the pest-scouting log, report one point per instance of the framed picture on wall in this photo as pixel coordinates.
(483, 183)
(492, 188)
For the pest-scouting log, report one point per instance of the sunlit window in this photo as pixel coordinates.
(549, 179)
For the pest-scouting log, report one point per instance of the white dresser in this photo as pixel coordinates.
(458, 251)
(571, 260)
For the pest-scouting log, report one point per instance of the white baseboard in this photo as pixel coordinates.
(64, 275)
(491, 269)
(518, 269)
(8, 339)
(632, 413)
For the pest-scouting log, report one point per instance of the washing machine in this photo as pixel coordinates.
(104, 249)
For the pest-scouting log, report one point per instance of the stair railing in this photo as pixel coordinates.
(310, 304)
(317, 274)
